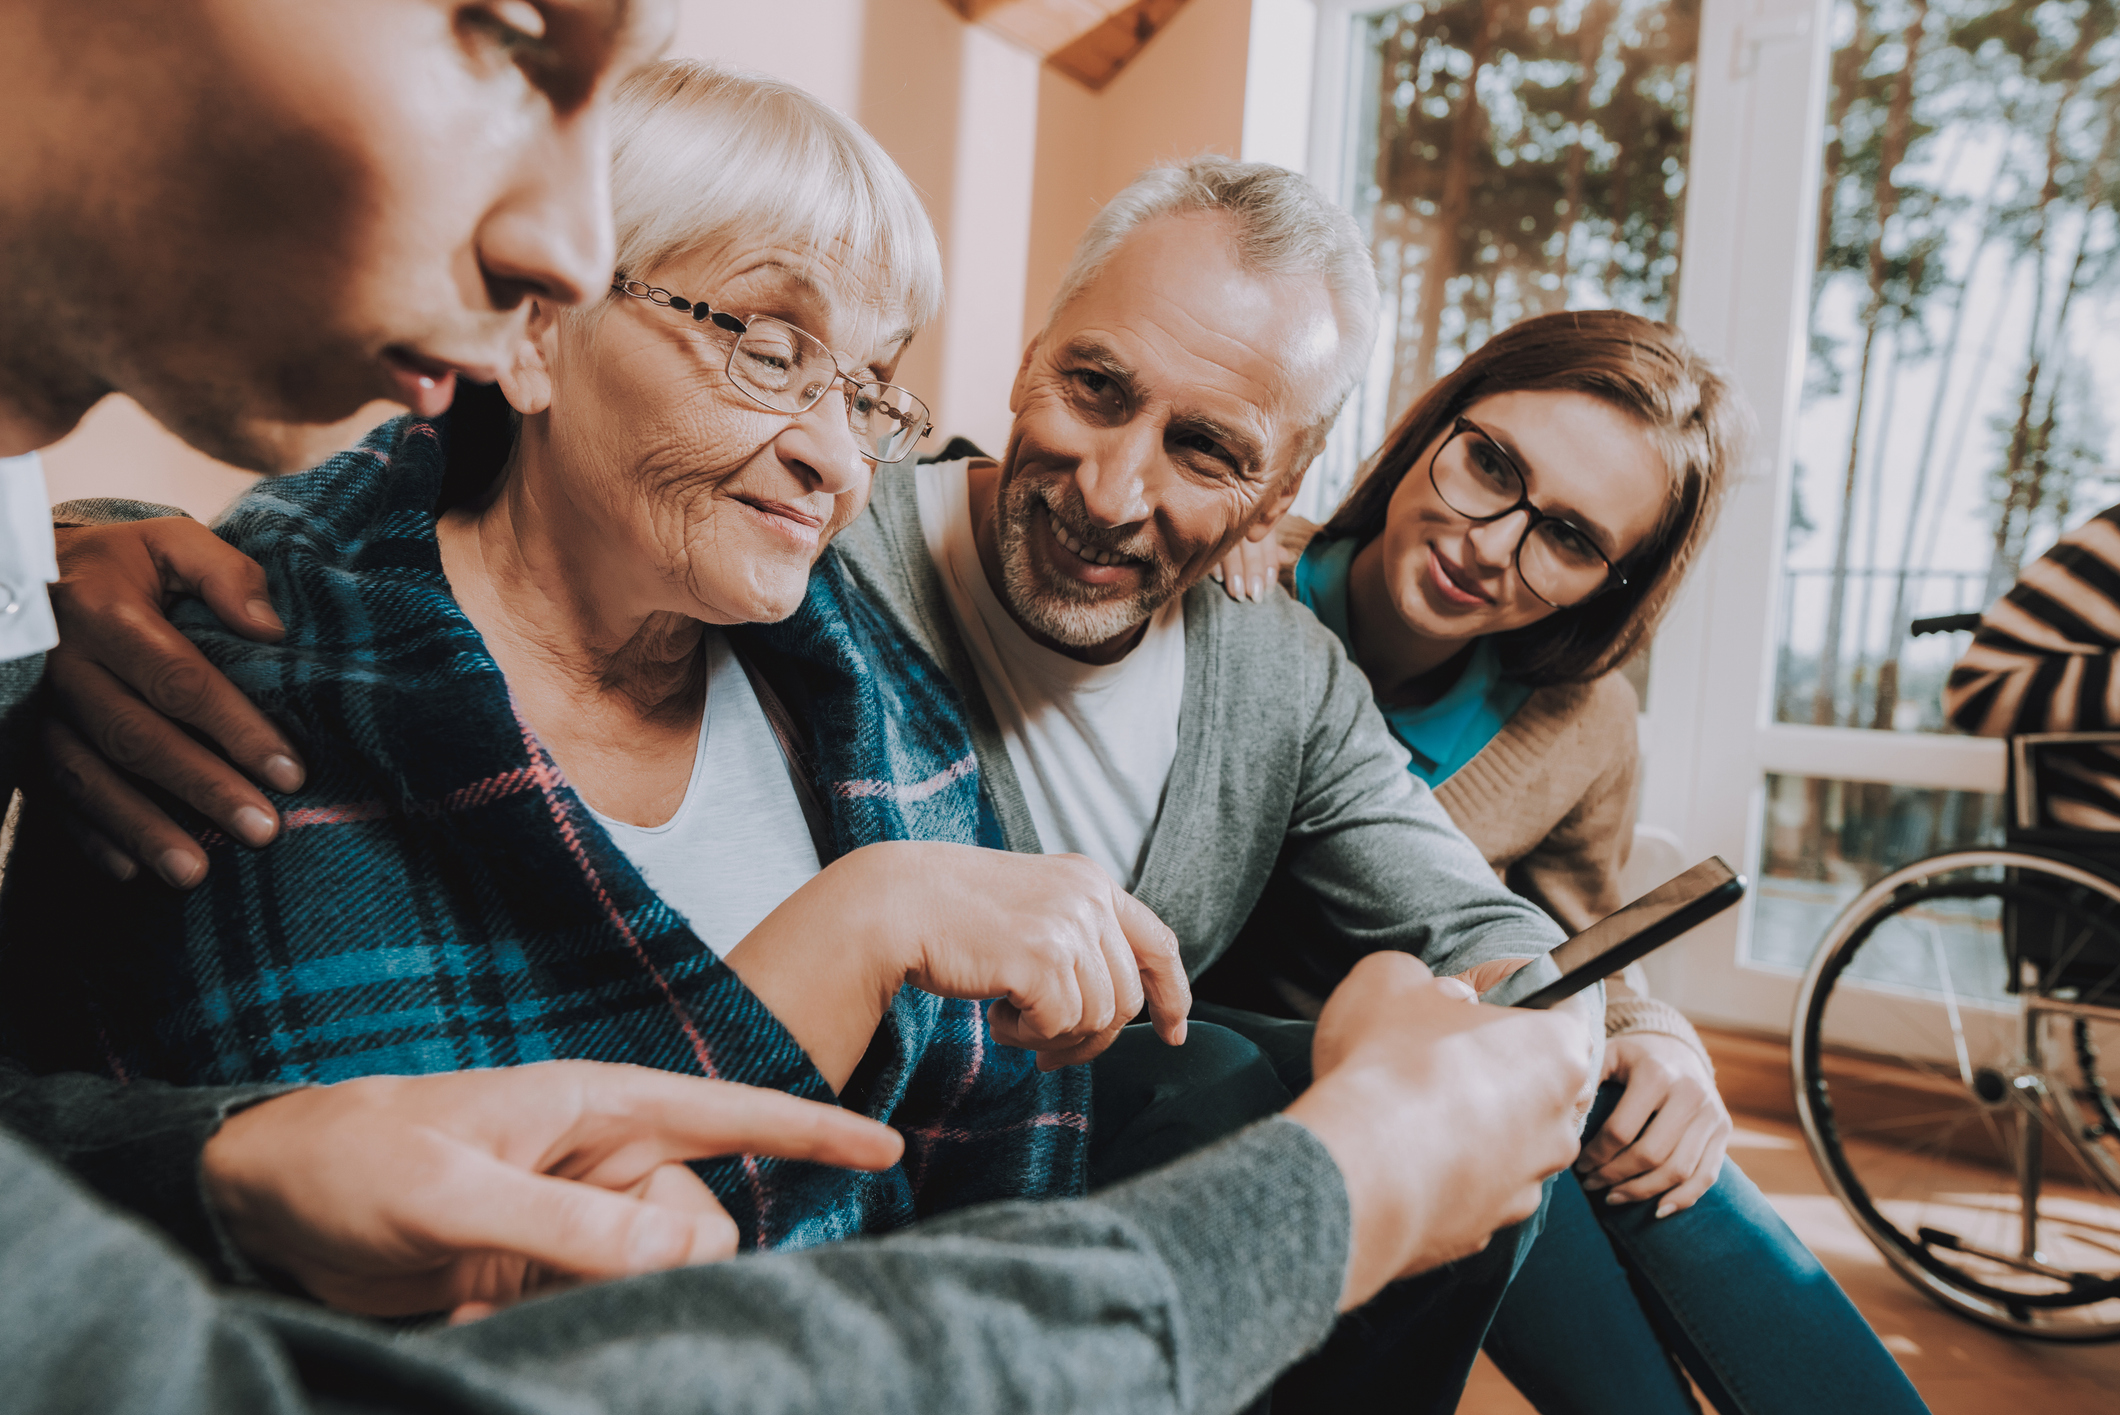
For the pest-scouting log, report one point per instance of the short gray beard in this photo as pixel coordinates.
(1065, 612)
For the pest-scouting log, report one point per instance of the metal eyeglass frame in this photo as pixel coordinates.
(722, 319)
(1534, 517)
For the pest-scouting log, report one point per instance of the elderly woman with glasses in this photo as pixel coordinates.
(1524, 528)
(605, 759)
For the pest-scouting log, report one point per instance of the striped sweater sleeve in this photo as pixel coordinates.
(2043, 658)
(2043, 662)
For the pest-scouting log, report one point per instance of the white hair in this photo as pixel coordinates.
(703, 156)
(1284, 226)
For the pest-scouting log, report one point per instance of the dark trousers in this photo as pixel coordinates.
(1408, 1349)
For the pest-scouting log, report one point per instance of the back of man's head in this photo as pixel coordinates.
(1280, 225)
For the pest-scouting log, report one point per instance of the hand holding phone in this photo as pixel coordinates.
(1666, 912)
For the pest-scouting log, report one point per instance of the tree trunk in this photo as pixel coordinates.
(1848, 64)
(2056, 347)
(1873, 521)
(1896, 630)
(1446, 247)
(2003, 567)
(1898, 116)
(1589, 45)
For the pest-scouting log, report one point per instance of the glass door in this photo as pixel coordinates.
(1944, 423)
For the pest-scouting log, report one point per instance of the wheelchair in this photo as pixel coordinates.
(1953, 1037)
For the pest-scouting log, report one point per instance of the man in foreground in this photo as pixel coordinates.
(311, 204)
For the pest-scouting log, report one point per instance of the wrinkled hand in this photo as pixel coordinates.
(1586, 1009)
(1444, 1116)
(399, 1195)
(1068, 957)
(1669, 1131)
(124, 679)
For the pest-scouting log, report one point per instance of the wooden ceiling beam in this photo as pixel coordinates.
(1088, 40)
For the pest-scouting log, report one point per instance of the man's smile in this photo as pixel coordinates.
(1079, 560)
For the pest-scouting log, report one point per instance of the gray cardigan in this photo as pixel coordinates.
(1282, 758)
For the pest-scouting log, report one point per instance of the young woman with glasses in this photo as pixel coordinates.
(1521, 533)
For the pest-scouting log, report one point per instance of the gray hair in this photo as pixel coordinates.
(703, 156)
(1284, 226)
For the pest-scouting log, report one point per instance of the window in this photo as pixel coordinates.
(1962, 346)
(1828, 840)
(1508, 158)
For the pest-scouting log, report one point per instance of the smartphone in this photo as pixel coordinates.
(1665, 912)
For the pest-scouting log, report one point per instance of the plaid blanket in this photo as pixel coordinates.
(440, 899)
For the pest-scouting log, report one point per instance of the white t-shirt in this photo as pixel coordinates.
(27, 559)
(1092, 744)
(738, 844)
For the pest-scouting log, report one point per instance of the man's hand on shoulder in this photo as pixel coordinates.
(399, 1195)
(1444, 1116)
(126, 684)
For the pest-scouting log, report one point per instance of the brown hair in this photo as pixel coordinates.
(1693, 413)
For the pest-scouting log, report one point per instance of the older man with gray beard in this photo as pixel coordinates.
(1202, 750)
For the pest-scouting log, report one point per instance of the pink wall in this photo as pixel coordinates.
(1182, 95)
(1012, 158)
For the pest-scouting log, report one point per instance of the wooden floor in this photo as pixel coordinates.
(1959, 1368)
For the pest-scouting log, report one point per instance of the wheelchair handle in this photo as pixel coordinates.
(1945, 624)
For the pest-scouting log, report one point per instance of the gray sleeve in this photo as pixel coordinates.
(1185, 1290)
(1386, 865)
(137, 1145)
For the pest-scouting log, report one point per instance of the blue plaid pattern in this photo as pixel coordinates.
(440, 899)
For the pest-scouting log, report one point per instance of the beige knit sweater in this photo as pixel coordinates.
(1550, 803)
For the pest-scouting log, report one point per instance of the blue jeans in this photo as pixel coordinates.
(1610, 1295)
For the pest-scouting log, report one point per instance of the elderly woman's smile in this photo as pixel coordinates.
(803, 529)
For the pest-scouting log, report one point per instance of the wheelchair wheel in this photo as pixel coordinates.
(1953, 1034)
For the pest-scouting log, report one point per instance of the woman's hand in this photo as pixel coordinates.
(1250, 570)
(1068, 956)
(1669, 1131)
(127, 683)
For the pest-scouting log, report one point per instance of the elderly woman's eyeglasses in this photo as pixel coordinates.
(1557, 560)
(789, 370)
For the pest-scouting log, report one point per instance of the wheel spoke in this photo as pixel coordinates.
(1935, 1124)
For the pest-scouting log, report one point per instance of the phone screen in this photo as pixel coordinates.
(1663, 914)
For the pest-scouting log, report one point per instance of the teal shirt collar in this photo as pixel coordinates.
(1446, 733)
